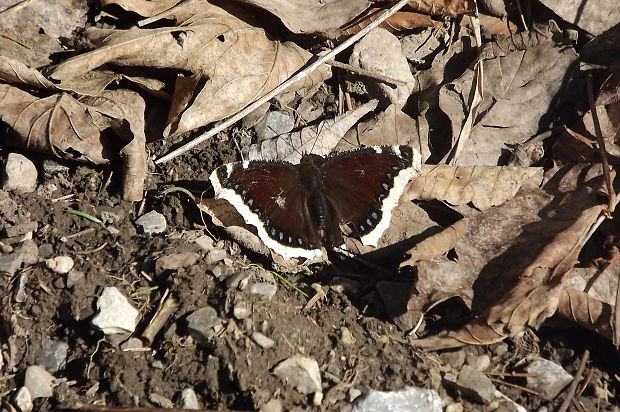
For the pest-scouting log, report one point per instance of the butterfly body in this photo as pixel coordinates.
(298, 209)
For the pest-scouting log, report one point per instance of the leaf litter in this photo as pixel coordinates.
(516, 242)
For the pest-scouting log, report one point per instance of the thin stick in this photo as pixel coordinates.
(167, 306)
(573, 385)
(601, 146)
(283, 86)
(367, 73)
(514, 385)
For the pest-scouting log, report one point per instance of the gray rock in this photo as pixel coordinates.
(46, 250)
(188, 399)
(23, 399)
(112, 230)
(215, 256)
(29, 251)
(53, 355)
(454, 358)
(241, 311)
(111, 214)
(52, 167)
(19, 229)
(132, 343)
(500, 348)
(266, 290)
(161, 400)
(406, 400)
(176, 261)
(480, 362)
(380, 52)
(274, 124)
(19, 174)
(152, 222)
(274, 405)
(10, 263)
(19, 292)
(75, 277)
(60, 264)
(475, 385)
(300, 372)
(262, 340)
(204, 242)
(552, 378)
(116, 314)
(239, 279)
(201, 324)
(39, 382)
(222, 271)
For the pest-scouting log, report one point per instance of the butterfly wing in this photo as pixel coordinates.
(366, 184)
(270, 197)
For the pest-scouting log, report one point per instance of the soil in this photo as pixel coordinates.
(231, 371)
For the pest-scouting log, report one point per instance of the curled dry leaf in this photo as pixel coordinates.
(16, 72)
(310, 16)
(317, 139)
(523, 75)
(400, 21)
(483, 186)
(76, 129)
(146, 8)
(208, 43)
(511, 263)
(449, 8)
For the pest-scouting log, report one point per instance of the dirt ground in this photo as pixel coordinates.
(231, 371)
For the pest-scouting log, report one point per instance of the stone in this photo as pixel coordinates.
(500, 348)
(551, 380)
(354, 393)
(176, 261)
(274, 124)
(115, 314)
(420, 46)
(454, 358)
(19, 174)
(29, 252)
(406, 400)
(215, 256)
(454, 407)
(161, 400)
(19, 290)
(53, 355)
(188, 399)
(46, 250)
(474, 385)
(60, 264)
(346, 337)
(132, 343)
(201, 323)
(52, 167)
(204, 242)
(266, 290)
(19, 229)
(300, 372)
(239, 279)
(241, 311)
(480, 362)
(152, 222)
(23, 399)
(274, 405)
(39, 382)
(111, 214)
(262, 340)
(10, 263)
(380, 52)
(75, 277)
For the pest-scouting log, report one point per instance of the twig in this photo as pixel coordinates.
(514, 385)
(283, 86)
(601, 146)
(367, 73)
(78, 234)
(514, 374)
(573, 385)
(586, 381)
(89, 251)
(166, 308)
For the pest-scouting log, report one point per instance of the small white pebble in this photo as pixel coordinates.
(60, 264)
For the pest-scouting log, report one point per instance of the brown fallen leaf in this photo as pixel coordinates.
(318, 139)
(483, 186)
(512, 263)
(400, 21)
(309, 16)
(146, 8)
(497, 26)
(207, 42)
(449, 8)
(76, 129)
(16, 72)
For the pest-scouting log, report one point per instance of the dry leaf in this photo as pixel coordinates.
(497, 26)
(146, 8)
(594, 17)
(77, 129)
(16, 72)
(522, 79)
(208, 43)
(318, 139)
(483, 186)
(449, 8)
(390, 127)
(400, 21)
(310, 16)
(511, 263)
